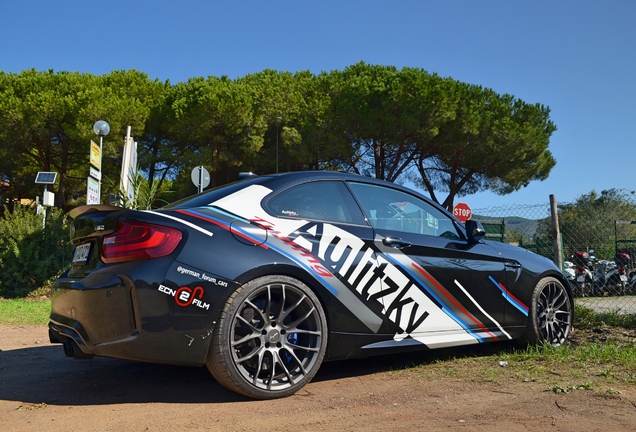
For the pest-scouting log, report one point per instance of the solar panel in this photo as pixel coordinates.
(44, 177)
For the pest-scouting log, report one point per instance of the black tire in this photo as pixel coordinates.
(270, 340)
(551, 313)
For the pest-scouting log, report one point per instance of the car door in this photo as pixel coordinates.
(439, 288)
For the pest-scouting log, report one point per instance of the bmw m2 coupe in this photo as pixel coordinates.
(264, 279)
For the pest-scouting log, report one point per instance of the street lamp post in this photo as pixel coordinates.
(101, 128)
(278, 122)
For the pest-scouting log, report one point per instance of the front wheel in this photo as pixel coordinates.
(270, 340)
(550, 316)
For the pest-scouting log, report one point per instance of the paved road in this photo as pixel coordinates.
(623, 305)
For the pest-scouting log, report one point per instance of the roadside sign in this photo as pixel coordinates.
(92, 191)
(95, 155)
(200, 177)
(462, 211)
(95, 173)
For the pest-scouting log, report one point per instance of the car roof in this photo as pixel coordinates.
(282, 181)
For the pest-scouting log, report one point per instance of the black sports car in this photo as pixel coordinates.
(263, 279)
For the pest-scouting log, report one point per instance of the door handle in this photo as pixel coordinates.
(396, 242)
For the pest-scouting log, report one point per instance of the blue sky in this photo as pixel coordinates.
(577, 57)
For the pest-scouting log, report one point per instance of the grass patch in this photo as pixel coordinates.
(600, 356)
(24, 311)
(570, 388)
(585, 318)
(605, 368)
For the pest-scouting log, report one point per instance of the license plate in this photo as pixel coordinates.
(624, 278)
(580, 278)
(81, 253)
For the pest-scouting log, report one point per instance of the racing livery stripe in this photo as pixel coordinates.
(320, 276)
(509, 297)
(482, 309)
(442, 306)
(224, 213)
(191, 225)
(223, 224)
(453, 300)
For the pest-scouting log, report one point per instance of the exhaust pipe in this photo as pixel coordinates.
(71, 349)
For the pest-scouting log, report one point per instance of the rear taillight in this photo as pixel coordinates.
(136, 241)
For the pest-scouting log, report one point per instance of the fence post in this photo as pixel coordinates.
(556, 234)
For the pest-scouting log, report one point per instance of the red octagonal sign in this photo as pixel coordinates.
(462, 211)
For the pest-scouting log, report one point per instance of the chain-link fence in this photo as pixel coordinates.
(593, 240)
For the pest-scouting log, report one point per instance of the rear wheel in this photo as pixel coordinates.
(270, 339)
(550, 316)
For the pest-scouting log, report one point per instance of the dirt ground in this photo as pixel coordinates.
(41, 390)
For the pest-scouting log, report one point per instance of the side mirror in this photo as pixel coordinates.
(475, 231)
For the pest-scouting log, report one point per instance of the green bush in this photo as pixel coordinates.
(32, 253)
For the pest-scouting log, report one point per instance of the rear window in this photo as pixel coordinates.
(328, 201)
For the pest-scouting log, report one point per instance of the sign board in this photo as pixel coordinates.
(462, 211)
(96, 174)
(200, 177)
(92, 191)
(95, 155)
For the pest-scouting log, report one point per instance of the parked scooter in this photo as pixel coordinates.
(601, 275)
(583, 274)
(623, 262)
(610, 277)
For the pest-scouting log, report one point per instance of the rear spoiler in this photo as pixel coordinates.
(246, 174)
(77, 211)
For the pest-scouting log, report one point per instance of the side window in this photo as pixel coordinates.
(321, 200)
(395, 210)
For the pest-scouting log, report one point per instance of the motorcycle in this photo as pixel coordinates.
(569, 271)
(623, 263)
(583, 276)
(611, 277)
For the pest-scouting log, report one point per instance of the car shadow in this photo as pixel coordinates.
(392, 362)
(44, 375)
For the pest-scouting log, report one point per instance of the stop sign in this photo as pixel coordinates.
(462, 211)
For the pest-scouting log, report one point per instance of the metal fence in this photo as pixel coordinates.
(593, 240)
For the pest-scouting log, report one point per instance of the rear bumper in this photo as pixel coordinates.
(88, 320)
(107, 314)
(96, 314)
